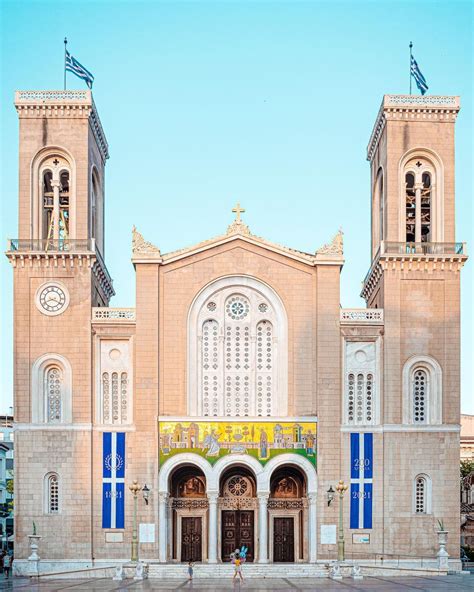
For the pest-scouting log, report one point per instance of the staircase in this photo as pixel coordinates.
(250, 570)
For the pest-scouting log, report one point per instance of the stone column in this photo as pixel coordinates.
(212, 546)
(162, 526)
(312, 527)
(418, 188)
(262, 527)
(55, 185)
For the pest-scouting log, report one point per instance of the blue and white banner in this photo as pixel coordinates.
(113, 480)
(361, 480)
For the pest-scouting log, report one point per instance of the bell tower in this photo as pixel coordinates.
(59, 276)
(415, 278)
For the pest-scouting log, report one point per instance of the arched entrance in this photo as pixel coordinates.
(287, 509)
(188, 506)
(237, 504)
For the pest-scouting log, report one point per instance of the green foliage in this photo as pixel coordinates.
(469, 552)
(467, 466)
(10, 486)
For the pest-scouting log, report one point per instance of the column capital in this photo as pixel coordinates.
(212, 497)
(312, 498)
(163, 497)
(263, 496)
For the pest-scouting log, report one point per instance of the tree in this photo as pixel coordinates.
(467, 467)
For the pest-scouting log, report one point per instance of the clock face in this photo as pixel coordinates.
(52, 299)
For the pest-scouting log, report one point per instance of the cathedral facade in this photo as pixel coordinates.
(238, 393)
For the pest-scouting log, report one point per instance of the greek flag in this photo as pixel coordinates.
(113, 480)
(72, 65)
(361, 480)
(418, 76)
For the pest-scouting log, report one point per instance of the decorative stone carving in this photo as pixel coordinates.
(335, 247)
(34, 557)
(356, 572)
(118, 573)
(335, 571)
(141, 571)
(443, 555)
(282, 504)
(140, 245)
(190, 504)
(238, 227)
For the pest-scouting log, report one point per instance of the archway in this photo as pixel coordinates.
(287, 508)
(237, 505)
(188, 508)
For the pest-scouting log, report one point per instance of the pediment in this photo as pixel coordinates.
(145, 251)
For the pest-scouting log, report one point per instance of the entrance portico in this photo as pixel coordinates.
(241, 500)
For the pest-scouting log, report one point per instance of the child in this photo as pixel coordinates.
(190, 570)
(238, 568)
(6, 565)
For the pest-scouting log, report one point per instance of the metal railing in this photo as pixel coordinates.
(52, 246)
(392, 248)
(362, 315)
(113, 314)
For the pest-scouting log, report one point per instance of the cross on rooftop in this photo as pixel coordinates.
(238, 210)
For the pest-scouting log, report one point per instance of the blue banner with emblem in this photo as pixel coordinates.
(361, 480)
(113, 480)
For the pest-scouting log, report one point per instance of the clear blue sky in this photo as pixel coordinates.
(269, 103)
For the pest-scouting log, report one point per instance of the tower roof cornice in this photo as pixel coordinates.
(62, 103)
(412, 108)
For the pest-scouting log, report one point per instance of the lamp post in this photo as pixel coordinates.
(341, 488)
(134, 488)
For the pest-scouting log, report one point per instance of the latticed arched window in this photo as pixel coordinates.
(422, 391)
(420, 395)
(53, 389)
(422, 494)
(359, 400)
(241, 354)
(360, 388)
(410, 206)
(114, 397)
(52, 494)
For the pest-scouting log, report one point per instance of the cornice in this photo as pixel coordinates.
(69, 104)
(412, 108)
(65, 260)
(423, 263)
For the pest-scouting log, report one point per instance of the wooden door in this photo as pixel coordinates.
(237, 530)
(191, 538)
(283, 540)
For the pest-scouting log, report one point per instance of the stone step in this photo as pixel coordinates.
(226, 570)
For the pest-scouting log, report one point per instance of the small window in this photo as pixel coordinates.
(52, 494)
(422, 494)
(426, 208)
(53, 390)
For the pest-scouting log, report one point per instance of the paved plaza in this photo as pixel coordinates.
(370, 584)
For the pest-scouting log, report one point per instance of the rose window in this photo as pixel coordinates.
(237, 308)
(237, 486)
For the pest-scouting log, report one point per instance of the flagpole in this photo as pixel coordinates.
(411, 45)
(65, 50)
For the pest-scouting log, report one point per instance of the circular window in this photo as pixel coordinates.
(237, 308)
(211, 306)
(263, 307)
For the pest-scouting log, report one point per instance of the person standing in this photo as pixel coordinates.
(238, 569)
(190, 570)
(7, 565)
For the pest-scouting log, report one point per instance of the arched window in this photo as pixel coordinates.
(53, 388)
(53, 203)
(51, 400)
(360, 393)
(419, 386)
(114, 382)
(51, 493)
(422, 175)
(422, 391)
(422, 494)
(237, 350)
